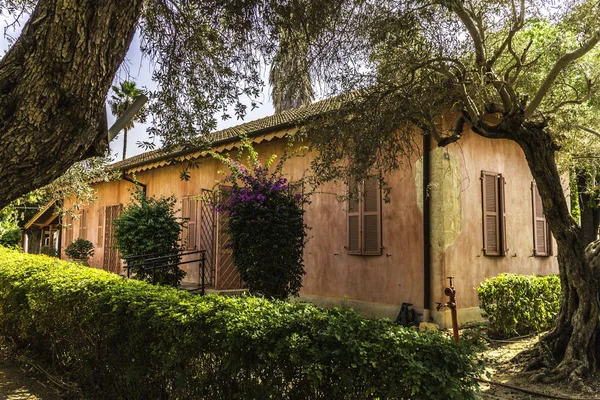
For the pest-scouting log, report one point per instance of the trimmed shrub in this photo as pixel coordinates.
(148, 225)
(519, 304)
(128, 339)
(79, 249)
(48, 250)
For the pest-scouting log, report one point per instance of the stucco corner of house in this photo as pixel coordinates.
(419, 182)
(446, 201)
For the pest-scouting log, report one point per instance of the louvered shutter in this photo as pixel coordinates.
(540, 226)
(83, 225)
(502, 209)
(491, 226)
(185, 215)
(371, 229)
(354, 236)
(100, 237)
(68, 227)
(192, 223)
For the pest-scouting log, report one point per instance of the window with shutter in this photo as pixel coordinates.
(353, 216)
(364, 217)
(100, 236)
(189, 211)
(541, 231)
(494, 214)
(83, 225)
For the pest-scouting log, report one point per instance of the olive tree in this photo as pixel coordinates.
(524, 71)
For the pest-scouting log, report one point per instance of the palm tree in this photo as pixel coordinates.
(121, 99)
(290, 75)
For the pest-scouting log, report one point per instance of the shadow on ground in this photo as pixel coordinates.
(502, 367)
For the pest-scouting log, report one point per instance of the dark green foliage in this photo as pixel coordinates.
(80, 249)
(266, 226)
(268, 243)
(50, 251)
(11, 237)
(148, 225)
(519, 304)
(126, 339)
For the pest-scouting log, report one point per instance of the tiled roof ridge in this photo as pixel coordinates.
(263, 124)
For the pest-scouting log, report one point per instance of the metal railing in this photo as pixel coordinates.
(153, 262)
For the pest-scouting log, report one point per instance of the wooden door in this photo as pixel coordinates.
(228, 276)
(207, 235)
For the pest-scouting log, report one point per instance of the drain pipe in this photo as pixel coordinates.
(137, 183)
(426, 222)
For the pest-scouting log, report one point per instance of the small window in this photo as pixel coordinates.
(494, 214)
(189, 212)
(541, 231)
(364, 218)
(83, 224)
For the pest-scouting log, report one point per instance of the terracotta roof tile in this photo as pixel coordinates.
(271, 122)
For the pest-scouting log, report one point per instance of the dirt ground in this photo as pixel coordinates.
(21, 381)
(502, 368)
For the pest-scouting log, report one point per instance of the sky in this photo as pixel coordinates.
(139, 70)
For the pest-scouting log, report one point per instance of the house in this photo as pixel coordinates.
(470, 210)
(42, 233)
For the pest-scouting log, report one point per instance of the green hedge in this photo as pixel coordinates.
(519, 304)
(126, 339)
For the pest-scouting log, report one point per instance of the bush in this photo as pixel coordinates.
(266, 226)
(49, 251)
(79, 249)
(518, 304)
(149, 226)
(10, 238)
(127, 339)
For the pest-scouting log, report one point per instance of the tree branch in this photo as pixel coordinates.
(557, 69)
(578, 100)
(458, 7)
(588, 130)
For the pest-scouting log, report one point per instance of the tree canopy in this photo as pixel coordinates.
(207, 56)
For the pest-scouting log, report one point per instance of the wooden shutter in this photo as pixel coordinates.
(192, 223)
(502, 209)
(491, 226)
(541, 238)
(68, 227)
(353, 217)
(100, 236)
(83, 225)
(189, 211)
(185, 215)
(371, 228)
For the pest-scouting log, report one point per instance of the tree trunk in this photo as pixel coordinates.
(590, 216)
(572, 342)
(53, 85)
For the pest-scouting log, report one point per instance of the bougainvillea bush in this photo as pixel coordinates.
(266, 224)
